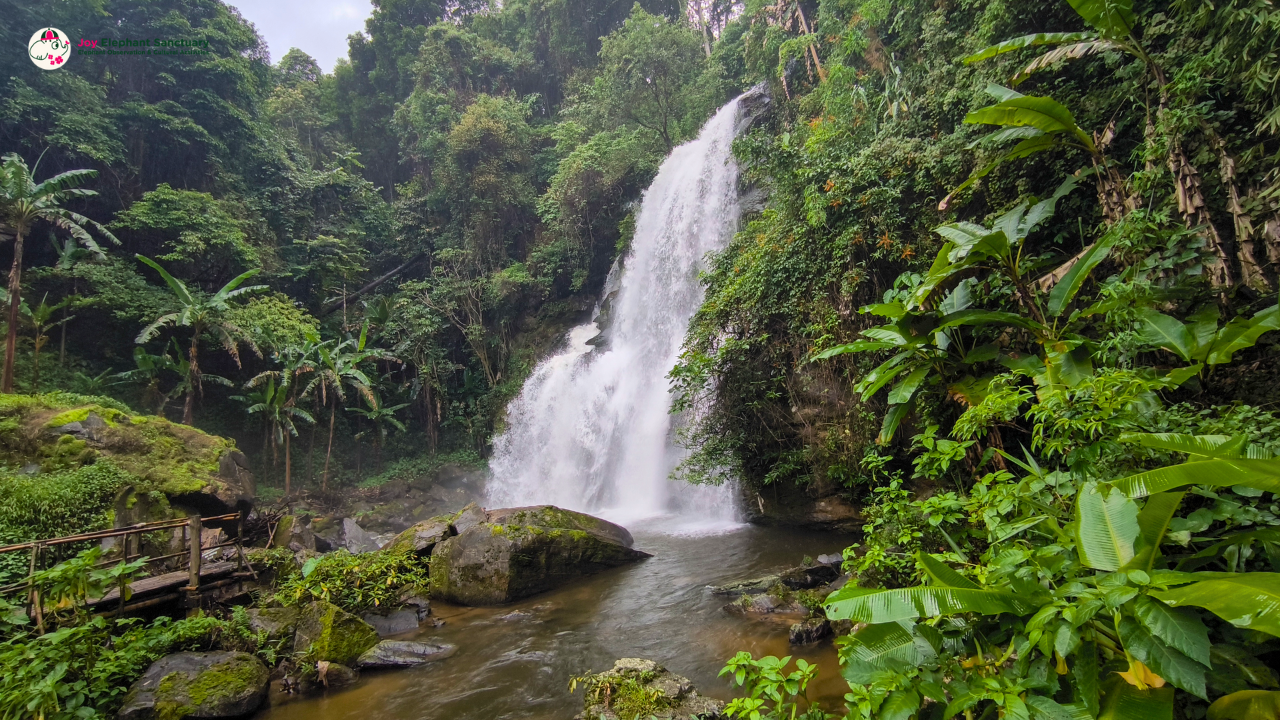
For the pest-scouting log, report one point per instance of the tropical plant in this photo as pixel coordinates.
(202, 313)
(40, 318)
(24, 202)
(1200, 341)
(337, 367)
(276, 407)
(772, 692)
(1074, 582)
(381, 415)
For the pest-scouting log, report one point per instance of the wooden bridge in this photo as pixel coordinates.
(187, 582)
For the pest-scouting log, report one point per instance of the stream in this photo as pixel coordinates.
(515, 661)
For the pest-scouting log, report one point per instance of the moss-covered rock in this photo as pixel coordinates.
(274, 622)
(199, 685)
(326, 632)
(532, 551)
(61, 431)
(638, 688)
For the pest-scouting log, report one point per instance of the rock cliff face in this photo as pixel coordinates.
(518, 552)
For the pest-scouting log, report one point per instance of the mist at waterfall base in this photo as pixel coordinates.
(592, 430)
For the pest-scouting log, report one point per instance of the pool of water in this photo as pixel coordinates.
(516, 661)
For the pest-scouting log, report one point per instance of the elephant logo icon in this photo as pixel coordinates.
(49, 48)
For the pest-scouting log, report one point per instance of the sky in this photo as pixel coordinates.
(319, 27)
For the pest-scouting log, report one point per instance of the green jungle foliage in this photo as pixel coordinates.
(1011, 289)
(419, 225)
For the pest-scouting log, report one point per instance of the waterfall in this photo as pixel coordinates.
(592, 429)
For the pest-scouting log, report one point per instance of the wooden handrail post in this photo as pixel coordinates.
(193, 540)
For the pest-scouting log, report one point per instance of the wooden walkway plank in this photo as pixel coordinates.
(168, 581)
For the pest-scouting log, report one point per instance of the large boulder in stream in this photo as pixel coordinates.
(518, 552)
(327, 633)
(638, 688)
(404, 653)
(198, 685)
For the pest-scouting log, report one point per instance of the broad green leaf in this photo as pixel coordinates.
(1153, 521)
(984, 317)
(1209, 446)
(880, 606)
(1084, 670)
(1042, 113)
(882, 375)
(1203, 324)
(1250, 600)
(1044, 209)
(1112, 18)
(1106, 528)
(905, 390)
(1240, 334)
(899, 705)
(892, 419)
(1008, 531)
(941, 574)
(1126, 702)
(1218, 472)
(1027, 41)
(1178, 628)
(1070, 284)
(885, 646)
(1246, 705)
(1176, 668)
(1243, 665)
(853, 347)
(1166, 332)
(1043, 708)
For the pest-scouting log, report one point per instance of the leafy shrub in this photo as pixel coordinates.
(354, 582)
(84, 671)
(52, 505)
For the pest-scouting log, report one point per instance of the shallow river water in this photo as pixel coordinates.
(515, 661)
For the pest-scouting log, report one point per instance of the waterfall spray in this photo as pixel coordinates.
(592, 428)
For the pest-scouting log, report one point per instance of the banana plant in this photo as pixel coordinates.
(1200, 341)
(1038, 124)
(1111, 22)
(924, 328)
(1110, 612)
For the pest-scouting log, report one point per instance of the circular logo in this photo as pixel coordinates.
(49, 48)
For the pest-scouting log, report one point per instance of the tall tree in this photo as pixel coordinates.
(24, 202)
(201, 313)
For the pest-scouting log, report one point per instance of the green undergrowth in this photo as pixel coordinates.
(409, 469)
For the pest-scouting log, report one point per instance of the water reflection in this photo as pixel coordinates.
(515, 661)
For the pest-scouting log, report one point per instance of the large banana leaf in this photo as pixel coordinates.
(892, 419)
(1153, 521)
(905, 390)
(1071, 283)
(1246, 705)
(1106, 528)
(1112, 18)
(1209, 446)
(1218, 472)
(1065, 52)
(1241, 333)
(1249, 600)
(882, 606)
(942, 575)
(1042, 113)
(853, 347)
(885, 646)
(1169, 333)
(1027, 41)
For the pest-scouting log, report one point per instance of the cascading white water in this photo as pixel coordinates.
(592, 429)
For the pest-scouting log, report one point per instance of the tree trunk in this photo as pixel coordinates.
(288, 465)
(62, 345)
(15, 302)
(324, 479)
(193, 380)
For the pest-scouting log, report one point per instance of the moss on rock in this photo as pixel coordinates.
(203, 685)
(329, 633)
